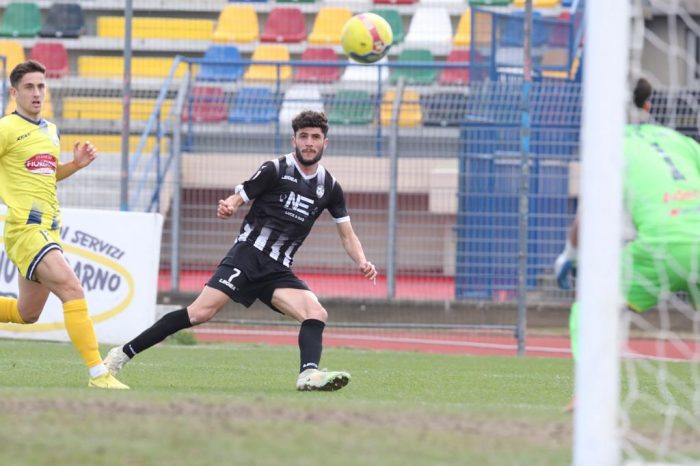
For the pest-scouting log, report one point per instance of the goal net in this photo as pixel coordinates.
(649, 409)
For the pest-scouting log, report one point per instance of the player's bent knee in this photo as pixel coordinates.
(30, 315)
(199, 315)
(318, 313)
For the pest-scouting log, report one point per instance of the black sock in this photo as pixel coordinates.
(310, 343)
(167, 325)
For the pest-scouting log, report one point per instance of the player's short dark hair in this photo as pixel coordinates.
(310, 119)
(642, 93)
(29, 66)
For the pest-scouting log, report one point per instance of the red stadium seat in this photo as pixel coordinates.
(284, 25)
(325, 74)
(53, 56)
(456, 76)
(208, 105)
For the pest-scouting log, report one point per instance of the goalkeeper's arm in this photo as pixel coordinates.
(565, 264)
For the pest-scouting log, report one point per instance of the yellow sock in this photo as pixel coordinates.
(81, 331)
(9, 312)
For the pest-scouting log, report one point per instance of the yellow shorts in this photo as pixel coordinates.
(26, 245)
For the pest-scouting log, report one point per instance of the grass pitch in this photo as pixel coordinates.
(236, 404)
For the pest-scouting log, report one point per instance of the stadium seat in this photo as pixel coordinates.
(445, 3)
(444, 109)
(328, 24)
(415, 75)
(430, 28)
(237, 23)
(395, 2)
(355, 72)
(253, 105)
(219, 71)
(157, 28)
(490, 2)
(268, 52)
(393, 17)
(284, 25)
(296, 1)
(53, 56)
(95, 108)
(463, 36)
(511, 30)
(109, 143)
(456, 76)
(207, 105)
(321, 74)
(14, 54)
(20, 20)
(559, 32)
(46, 111)
(555, 62)
(64, 20)
(410, 114)
(354, 5)
(298, 98)
(141, 67)
(350, 107)
(537, 3)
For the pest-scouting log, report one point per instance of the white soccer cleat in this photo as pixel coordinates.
(327, 381)
(115, 360)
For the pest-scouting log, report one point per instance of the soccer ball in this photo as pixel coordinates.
(366, 37)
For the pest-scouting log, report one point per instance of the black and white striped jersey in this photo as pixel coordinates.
(286, 203)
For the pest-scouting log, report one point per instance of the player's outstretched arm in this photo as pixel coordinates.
(83, 155)
(353, 247)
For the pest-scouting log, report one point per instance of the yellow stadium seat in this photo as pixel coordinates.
(141, 67)
(93, 108)
(237, 23)
(109, 143)
(157, 28)
(463, 36)
(537, 3)
(46, 111)
(328, 24)
(410, 114)
(14, 53)
(266, 52)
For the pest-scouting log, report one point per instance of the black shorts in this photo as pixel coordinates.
(246, 274)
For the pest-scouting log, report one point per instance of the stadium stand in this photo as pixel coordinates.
(463, 35)
(321, 74)
(267, 52)
(415, 75)
(444, 108)
(14, 53)
(253, 104)
(284, 25)
(328, 23)
(410, 114)
(360, 73)
(393, 17)
(431, 28)
(219, 71)
(53, 56)
(64, 20)
(157, 28)
(113, 67)
(489, 2)
(237, 23)
(207, 105)
(456, 76)
(297, 98)
(395, 2)
(296, 1)
(537, 3)
(21, 20)
(351, 107)
(95, 108)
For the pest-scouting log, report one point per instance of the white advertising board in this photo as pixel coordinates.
(116, 257)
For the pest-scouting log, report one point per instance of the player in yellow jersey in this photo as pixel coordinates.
(29, 169)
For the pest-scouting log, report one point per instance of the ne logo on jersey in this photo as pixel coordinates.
(41, 164)
(298, 203)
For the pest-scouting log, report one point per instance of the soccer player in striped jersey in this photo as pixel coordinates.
(29, 170)
(288, 194)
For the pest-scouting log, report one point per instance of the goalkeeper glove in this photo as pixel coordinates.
(565, 266)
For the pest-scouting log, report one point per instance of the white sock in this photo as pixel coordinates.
(98, 370)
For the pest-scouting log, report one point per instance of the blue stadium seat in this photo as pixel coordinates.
(220, 72)
(254, 105)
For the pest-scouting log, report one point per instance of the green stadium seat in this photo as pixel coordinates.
(351, 107)
(393, 17)
(21, 20)
(415, 75)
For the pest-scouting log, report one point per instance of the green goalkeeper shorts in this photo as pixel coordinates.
(652, 272)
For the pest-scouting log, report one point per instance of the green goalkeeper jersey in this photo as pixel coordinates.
(662, 184)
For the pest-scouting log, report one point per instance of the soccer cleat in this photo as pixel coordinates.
(327, 381)
(107, 381)
(115, 360)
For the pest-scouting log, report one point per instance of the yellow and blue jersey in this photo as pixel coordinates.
(29, 155)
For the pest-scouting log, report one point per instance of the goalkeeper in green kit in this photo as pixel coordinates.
(662, 203)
